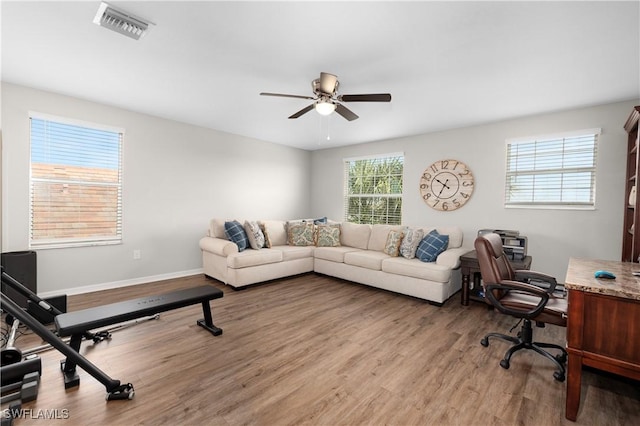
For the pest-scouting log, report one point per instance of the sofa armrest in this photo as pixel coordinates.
(218, 246)
(451, 257)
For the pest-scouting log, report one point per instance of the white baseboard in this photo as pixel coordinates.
(119, 284)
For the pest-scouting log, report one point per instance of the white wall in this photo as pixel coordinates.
(554, 235)
(176, 177)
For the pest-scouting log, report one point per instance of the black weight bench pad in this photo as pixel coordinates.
(78, 322)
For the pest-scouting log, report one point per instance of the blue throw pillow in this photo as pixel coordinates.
(431, 246)
(235, 232)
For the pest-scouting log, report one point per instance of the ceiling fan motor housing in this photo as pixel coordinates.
(317, 88)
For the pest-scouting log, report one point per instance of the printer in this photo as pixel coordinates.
(513, 244)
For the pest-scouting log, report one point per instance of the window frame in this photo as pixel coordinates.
(388, 195)
(94, 240)
(563, 170)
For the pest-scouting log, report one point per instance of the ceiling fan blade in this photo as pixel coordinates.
(346, 112)
(373, 97)
(287, 96)
(302, 111)
(328, 83)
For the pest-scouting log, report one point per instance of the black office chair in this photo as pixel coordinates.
(514, 293)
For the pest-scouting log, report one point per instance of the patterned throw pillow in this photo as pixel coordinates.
(410, 242)
(254, 234)
(267, 240)
(328, 235)
(392, 246)
(431, 246)
(300, 234)
(235, 232)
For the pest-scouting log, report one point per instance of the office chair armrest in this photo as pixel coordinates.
(527, 276)
(517, 286)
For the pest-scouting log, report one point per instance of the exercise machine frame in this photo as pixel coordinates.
(77, 325)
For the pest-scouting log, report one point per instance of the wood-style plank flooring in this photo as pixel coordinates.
(320, 351)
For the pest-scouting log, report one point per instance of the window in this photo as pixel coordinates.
(552, 171)
(373, 189)
(76, 183)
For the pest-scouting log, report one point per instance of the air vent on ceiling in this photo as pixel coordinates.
(121, 21)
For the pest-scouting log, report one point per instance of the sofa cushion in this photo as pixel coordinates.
(249, 258)
(276, 231)
(216, 228)
(355, 235)
(267, 240)
(254, 234)
(327, 235)
(301, 234)
(431, 246)
(416, 269)
(392, 246)
(366, 259)
(379, 234)
(412, 238)
(235, 232)
(334, 254)
(295, 252)
(455, 234)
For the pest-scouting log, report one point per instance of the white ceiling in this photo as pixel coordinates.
(447, 64)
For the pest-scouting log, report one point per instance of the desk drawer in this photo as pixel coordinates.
(612, 327)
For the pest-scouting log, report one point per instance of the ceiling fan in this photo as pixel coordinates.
(327, 99)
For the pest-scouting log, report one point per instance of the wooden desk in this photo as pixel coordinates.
(603, 325)
(470, 270)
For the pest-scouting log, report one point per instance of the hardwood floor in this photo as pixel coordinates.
(320, 351)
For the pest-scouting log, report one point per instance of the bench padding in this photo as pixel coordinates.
(71, 323)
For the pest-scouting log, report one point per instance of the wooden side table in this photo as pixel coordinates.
(469, 267)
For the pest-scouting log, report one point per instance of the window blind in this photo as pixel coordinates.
(552, 171)
(373, 189)
(75, 184)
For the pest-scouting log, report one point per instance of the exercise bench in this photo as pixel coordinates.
(79, 323)
(76, 324)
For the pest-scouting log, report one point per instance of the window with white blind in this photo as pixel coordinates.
(554, 171)
(75, 184)
(373, 189)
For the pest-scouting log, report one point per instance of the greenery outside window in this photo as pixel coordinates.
(75, 183)
(556, 171)
(373, 189)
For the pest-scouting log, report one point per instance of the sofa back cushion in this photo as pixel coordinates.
(356, 235)
(216, 228)
(379, 235)
(276, 231)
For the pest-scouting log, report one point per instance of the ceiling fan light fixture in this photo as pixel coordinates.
(325, 108)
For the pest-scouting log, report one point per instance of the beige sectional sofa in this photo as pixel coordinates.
(358, 256)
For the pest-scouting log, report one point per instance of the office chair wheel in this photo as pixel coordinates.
(559, 376)
(562, 358)
(505, 364)
(484, 342)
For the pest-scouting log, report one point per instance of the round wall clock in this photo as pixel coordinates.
(446, 185)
